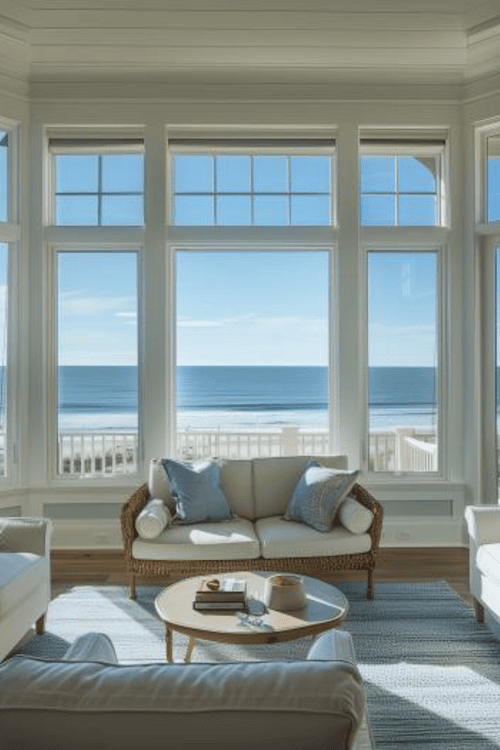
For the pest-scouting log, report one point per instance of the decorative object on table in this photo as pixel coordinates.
(220, 594)
(285, 592)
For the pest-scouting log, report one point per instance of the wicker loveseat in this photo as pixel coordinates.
(258, 491)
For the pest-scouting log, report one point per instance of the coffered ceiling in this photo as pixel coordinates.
(314, 42)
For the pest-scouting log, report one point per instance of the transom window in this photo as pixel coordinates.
(262, 186)
(493, 178)
(400, 185)
(98, 185)
(4, 175)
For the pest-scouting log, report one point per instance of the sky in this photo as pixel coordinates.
(260, 308)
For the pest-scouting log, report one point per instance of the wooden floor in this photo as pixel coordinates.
(395, 564)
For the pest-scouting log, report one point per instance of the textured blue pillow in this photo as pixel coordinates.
(197, 491)
(318, 495)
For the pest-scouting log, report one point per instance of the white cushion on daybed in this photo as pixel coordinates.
(220, 540)
(280, 538)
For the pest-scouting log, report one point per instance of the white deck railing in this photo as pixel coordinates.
(114, 453)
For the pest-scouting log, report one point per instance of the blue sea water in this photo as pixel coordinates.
(105, 398)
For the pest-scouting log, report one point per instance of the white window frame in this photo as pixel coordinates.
(53, 250)
(10, 234)
(262, 247)
(482, 135)
(488, 246)
(57, 145)
(411, 245)
(413, 147)
(256, 147)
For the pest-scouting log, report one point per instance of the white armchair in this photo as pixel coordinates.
(24, 578)
(484, 558)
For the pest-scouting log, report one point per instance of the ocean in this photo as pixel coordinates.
(105, 398)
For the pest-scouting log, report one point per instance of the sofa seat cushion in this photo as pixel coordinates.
(20, 574)
(280, 538)
(488, 561)
(222, 540)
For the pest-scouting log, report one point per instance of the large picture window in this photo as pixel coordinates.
(252, 363)
(97, 363)
(403, 361)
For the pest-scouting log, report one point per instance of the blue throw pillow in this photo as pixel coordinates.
(197, 491)
(318, 495)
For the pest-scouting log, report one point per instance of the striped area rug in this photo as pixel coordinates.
(432, 673)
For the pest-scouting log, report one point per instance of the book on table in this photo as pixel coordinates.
(217, 591)
(219, 606)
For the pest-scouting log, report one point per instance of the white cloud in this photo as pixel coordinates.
(73, 303)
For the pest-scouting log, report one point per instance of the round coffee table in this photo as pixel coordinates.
(326, 608)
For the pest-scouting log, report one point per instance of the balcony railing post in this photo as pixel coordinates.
(290, 441)
(402, 458)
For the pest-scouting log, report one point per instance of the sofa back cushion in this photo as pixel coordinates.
(236, 478)
(274, 480)
(265, 705)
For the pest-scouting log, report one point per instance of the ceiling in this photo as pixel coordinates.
(309, 42)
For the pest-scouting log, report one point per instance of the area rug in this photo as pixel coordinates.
(431, 672)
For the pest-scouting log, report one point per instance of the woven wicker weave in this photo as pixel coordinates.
(307, 565)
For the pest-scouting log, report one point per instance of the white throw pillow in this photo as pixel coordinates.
(152, 519)
(354, 516)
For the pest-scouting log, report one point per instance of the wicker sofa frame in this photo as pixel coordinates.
(136, 568)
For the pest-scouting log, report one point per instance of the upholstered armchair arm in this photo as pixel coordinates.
(26, 535)
(333, 645)
(483, 522)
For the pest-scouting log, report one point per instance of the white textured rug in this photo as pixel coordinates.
(432, 673)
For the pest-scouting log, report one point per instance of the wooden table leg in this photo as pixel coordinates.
(168, 640)
(189, 651)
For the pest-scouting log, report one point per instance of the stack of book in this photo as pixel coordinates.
(229, 595)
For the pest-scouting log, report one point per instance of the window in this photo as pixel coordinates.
(97, 363)
(4, 256)
(227, 185)
(97, 183)
(252, 362)
(403, 361)
(493, 178)
(4, 175)
(400, 185)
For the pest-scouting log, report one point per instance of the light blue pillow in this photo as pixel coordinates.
(197, 491)
(318, 495)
